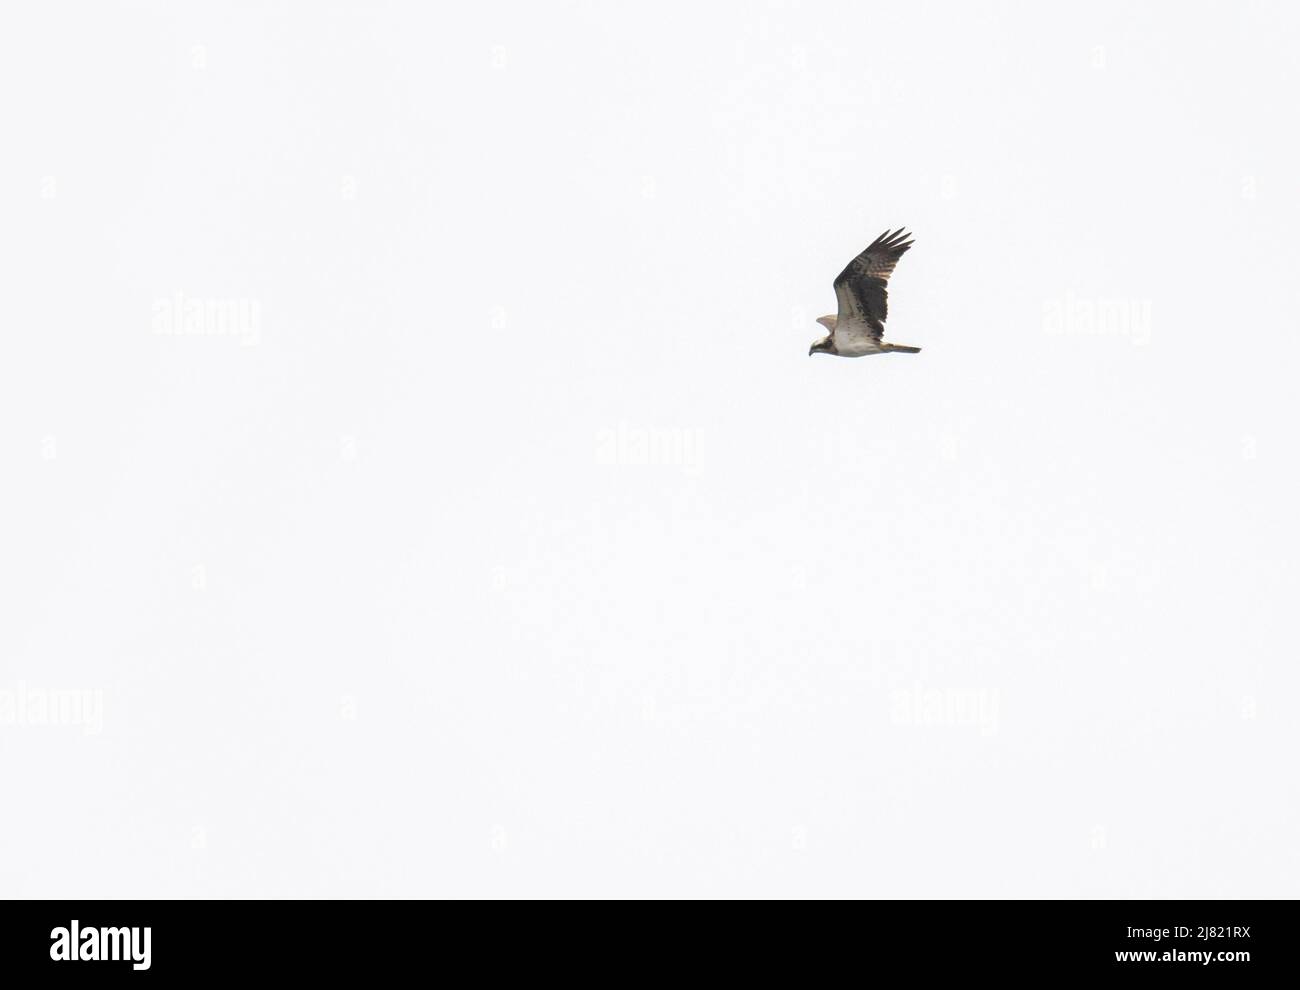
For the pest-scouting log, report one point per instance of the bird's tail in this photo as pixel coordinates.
(904, 348)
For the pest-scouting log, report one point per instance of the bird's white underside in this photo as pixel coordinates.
(855, 339)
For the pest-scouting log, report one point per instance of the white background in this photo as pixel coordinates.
(524, 551)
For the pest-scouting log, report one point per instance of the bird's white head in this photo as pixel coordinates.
(826, 345)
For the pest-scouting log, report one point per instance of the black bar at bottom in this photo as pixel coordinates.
(382, 940)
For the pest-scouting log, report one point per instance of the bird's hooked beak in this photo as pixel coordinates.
(812, 350)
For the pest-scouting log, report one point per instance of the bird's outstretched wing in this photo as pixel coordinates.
(860, 288)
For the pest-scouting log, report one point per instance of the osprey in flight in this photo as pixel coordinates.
(860, 290)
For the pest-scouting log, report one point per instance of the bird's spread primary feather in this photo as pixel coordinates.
(859, 326)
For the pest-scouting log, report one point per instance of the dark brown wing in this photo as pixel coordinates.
(860, 288)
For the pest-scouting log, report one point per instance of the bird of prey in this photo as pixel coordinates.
(857, 329)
